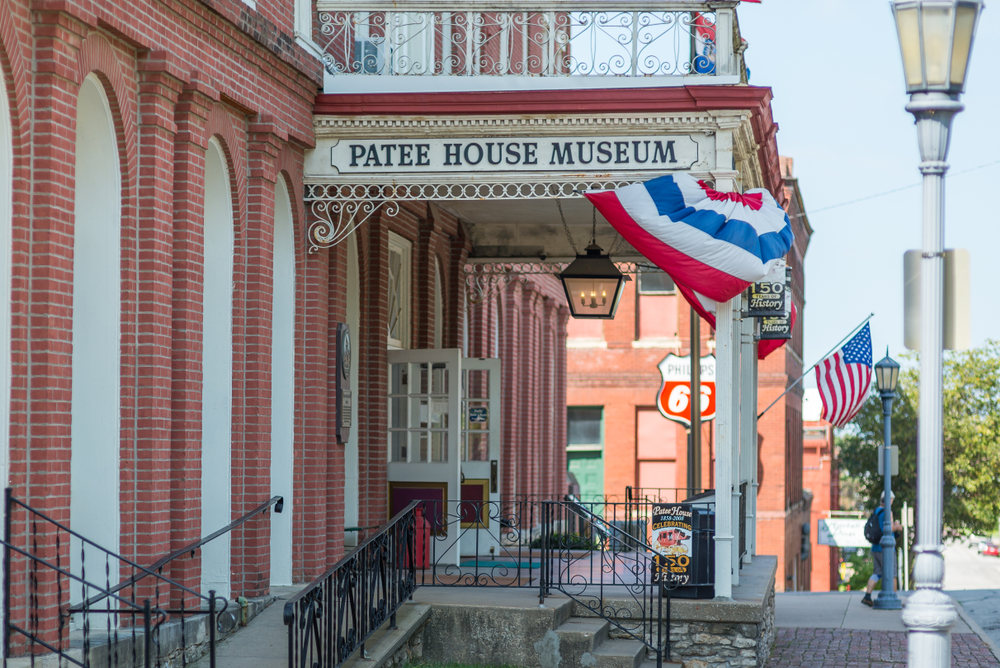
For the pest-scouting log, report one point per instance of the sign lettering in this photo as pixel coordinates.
(674, 396)
(672, 544)
(515, 154)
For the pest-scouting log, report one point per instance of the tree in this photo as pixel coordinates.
(971, 440)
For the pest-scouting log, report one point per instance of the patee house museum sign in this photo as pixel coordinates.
(515, 154)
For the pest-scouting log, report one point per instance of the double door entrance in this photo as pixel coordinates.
(444, 445)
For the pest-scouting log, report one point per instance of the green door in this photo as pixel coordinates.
(588, 467)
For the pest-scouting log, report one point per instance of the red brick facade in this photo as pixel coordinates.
(820, 476)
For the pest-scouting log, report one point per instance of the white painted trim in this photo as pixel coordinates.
(6, 225)
(217, 372)
(586, 343)
(95, 469)
(282, 385)
(389, 83)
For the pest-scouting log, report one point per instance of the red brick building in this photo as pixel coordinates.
(821, 477)
(182, 249)
(172, 346)
(614, 380)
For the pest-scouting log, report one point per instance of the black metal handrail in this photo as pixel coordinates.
(157, 568)
(334, 616)
(117, 607)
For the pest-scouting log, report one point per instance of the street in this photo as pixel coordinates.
(965, 569)
(974, 581)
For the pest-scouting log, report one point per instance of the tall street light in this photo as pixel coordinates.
(935, 39)
(886, 375)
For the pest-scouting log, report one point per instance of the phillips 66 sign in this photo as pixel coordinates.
(674, 397)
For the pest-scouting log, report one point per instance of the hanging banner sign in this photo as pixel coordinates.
(657, 153)
(770, 297)
(674, 396)
(841, 532)
(780, 326)
(672, 544)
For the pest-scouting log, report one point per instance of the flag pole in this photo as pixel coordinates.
(831, 351)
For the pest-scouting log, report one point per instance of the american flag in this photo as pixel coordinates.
(845, 377)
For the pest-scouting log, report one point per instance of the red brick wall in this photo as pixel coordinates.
(175, 75)
(820, 476)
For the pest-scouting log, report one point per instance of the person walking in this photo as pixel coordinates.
(877, 548)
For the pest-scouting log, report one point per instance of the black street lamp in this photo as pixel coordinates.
(886, 376)
(593, 285)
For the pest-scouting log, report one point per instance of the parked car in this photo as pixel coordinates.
(991, 550)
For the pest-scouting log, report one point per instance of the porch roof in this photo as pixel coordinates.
(526, 227)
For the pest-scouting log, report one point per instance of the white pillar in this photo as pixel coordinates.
(724, 435)
(748, 413)
(736, 413)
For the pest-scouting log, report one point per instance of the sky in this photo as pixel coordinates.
(839, 98)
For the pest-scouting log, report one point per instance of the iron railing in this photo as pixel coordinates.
(569, 40)
(660, 494)
(617, 577)
(334, 616)
(54, 579)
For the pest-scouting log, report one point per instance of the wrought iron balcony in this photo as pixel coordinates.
(456, 45)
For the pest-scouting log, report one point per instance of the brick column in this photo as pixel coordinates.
(510, 389)
(336, 452)
(312, 438)
(251, 542)
(547, 387)
(528, 415)
(159, 90)
(455, 312)
(191, 142)
(50, 294)
(427, 234)
(559, 415)
(373, 382)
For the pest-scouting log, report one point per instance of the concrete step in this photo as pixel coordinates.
(579, 636)
(619, 654)
(383, 646)
(652, 664)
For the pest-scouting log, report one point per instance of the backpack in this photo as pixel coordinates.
(873, 528)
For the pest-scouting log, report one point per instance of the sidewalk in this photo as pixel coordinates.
(834, 630)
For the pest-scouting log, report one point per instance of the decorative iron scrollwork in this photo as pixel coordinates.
(335, 220)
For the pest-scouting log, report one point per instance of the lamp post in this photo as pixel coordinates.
(935, 40)
(886, 375)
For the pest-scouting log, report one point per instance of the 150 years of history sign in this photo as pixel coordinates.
(672, 544)
(515, 154)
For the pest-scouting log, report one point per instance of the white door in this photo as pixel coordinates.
(480, 451)
(425, 396)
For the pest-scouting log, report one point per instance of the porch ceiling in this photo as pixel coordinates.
(531, 229)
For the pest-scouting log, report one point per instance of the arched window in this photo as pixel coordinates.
(351, 461)
(217, 371)
(96, 396)
(6, 216)
(282, 384)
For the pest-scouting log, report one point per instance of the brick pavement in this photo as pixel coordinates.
(848, 648)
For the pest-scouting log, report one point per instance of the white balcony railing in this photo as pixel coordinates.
(475, 44)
